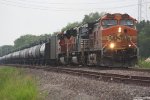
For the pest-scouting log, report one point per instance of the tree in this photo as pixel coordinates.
(144, 38)
(25, 40)
(92, 17)
(71, 25)
(30, 40)
(5, 49)
(87, 19)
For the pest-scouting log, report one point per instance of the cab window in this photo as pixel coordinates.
(127, 22)
(108, 22)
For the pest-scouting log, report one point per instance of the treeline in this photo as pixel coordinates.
(144, 38)
(87, 19)
(28, 40)
(24, 42)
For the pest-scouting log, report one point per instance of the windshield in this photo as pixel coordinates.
(109, 22)
(127, 22)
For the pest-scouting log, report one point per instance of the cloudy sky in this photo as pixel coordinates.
(20, 17)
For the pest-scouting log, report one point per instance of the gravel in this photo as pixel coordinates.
(59, 86)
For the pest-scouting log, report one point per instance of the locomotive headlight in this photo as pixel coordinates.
(119, 30)
(129, 45)
(112, 45)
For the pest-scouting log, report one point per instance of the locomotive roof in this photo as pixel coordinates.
(116, 16)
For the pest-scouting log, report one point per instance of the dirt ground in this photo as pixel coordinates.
(58, 86)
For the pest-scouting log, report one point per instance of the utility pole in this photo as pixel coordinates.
(142, 10)
(139, 10)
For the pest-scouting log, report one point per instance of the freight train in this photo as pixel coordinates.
(109, 41)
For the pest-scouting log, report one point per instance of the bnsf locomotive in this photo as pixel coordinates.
(110, 41)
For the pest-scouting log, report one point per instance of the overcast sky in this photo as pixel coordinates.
(20, 17)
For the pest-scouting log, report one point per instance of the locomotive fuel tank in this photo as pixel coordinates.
(75, 60)
(92, 59)
(62, 60)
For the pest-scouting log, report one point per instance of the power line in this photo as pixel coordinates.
(62, 3)
(22, 5)
(39, 4)
(142, 10)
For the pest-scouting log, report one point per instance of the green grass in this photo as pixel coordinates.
(144, 64)
(15, 85)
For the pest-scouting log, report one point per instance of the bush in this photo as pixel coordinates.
(144, 64)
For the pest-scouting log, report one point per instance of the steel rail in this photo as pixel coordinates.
(128, 79)
(109, 77)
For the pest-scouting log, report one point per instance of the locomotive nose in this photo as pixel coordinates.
(125, 30)
(119, 30)
(118, 37)
(122, 30)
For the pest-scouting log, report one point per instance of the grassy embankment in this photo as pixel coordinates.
(15, 85)
(144, 64)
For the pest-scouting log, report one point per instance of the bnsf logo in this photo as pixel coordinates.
(119, 38)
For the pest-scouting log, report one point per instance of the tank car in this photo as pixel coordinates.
(41, 54)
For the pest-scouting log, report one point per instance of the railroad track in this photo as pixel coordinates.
(138, 80)
(109, 77)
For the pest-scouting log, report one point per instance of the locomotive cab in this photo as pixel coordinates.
(119, 39)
